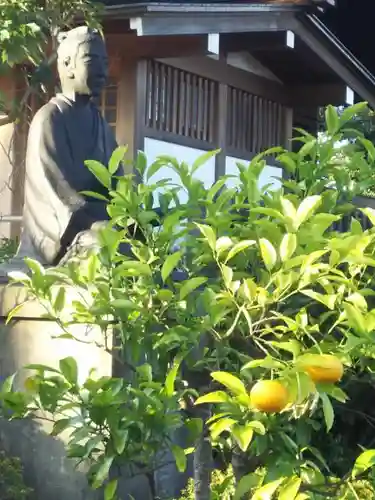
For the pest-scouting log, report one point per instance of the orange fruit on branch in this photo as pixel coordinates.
(269, 396)
(323, 368)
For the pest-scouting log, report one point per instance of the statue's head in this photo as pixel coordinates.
(82, 62)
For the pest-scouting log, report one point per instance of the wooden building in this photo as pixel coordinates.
(188, 77)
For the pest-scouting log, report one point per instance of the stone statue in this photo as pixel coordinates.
(64, 133)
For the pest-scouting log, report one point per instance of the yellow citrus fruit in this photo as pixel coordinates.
(324, 368)
(269, 396)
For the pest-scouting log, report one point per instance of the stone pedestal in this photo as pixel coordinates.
(29, 339)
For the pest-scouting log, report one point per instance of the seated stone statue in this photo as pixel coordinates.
(64, 133)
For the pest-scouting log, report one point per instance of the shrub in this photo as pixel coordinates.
(236, 286)
(12, 485)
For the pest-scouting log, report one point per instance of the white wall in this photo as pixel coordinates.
(154, 148)
(266, 177)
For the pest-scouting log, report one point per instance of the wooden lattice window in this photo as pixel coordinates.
(180, 102)
(108, 103)
(254, 123)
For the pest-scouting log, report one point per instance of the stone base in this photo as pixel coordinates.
(29, 340)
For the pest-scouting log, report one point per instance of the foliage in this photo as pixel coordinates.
(207, 298)
(28, 38)
(222, 486)
(12, 486)
(8, 248)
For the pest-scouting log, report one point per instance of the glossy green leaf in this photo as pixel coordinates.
(116, 158)
(234, 384)
(203, 159)
(171, 377)
(213, 397)
(223, 244)
(100, 172)
(60, 426)
(239, 247)
(180, 457)
(290, 490)
(288, 247)
(307, 209)
(243, 434)
(97, 196)
(332, 120)
(110, 490)
(59, 303)
(222, 425)
(170, 264)
(69, 369)
(103, 471)
(328, 412)
(365, 461)
(268, 253)
(191, 285)
(267, 491)
(209, 234)
(328, 300)
(245, 485)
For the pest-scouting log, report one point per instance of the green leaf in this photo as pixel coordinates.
(171, 377)
(290, 490)
(110, 490)
(180, 457)
(191, 285)
(365, 461)
(97, 196)
(223, 244)
(306, 209)
(224, 424)
(14, 312)
(307, 148)
(239, 247)
(267, 363)
(231, 382)
(213, 397)
(116, 158)
(258, 427)
(8, 384)
(103, 472)
(141, 163)
(268, 253)
(355, 318)
(245, 485)
(349, 112)
(288, 246)
(69, 369)
(202, 159)
(370, 213)
(154, 168)
(328, 412)
(292, 346)
(332, 120)
(209, 234)
(243, 434)
(123, 304)
(60, 426)
(328, 300)
(267, 491)
(60, 300)
(288, 208)
(169, 265)
(100, 172)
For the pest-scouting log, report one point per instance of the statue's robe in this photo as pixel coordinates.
(62, 136)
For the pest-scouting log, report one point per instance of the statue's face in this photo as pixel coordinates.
(90, 69)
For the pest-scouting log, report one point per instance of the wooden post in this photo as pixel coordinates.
(221, 132)
(131, 106)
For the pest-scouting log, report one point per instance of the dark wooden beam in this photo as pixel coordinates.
(336, 64)
(253, 42)
(223, 73)
(130, 46)
(318, 95)
(194, 24)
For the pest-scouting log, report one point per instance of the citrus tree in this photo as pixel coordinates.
(240, 315)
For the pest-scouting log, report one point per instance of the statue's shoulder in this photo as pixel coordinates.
(52, 110)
